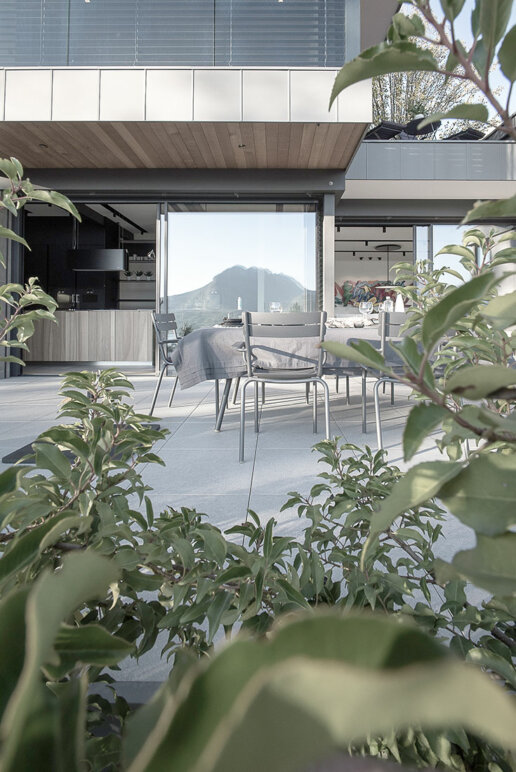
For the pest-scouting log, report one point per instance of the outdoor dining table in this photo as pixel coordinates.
(216, 353)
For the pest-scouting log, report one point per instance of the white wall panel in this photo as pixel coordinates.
(28, 95)
(169, 95)
(122, 95)
(75, 95)
(310, 94)
(265, 95)
(217, 95)
(355, 104)
(181, 94)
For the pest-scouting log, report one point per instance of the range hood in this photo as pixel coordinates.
(98, 259)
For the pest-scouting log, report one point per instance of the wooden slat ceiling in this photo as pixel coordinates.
(192, 145)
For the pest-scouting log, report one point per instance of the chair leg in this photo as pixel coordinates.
(364, 406)
(337, 383)
(223, 404)
(348, 400)
(307, 392)
(392, 392)
(217, 399)
(173, 391)
(235, 392)
(383, 387)
(326, 407)
(314, 407)
(376, 389)
(156, 390)
(263, 393)
(256, 427)
(242, 421)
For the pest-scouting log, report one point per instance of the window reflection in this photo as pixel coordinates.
(223, 262)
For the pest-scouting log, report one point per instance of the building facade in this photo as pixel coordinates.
(196, 135)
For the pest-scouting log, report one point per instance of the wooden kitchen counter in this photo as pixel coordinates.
(93, 336)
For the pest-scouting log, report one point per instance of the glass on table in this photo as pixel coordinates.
(366, 308)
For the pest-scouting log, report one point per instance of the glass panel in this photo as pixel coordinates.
(364, 261)
(222, 262)
(172, 32)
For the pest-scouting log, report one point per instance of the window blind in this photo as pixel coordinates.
(172, 32)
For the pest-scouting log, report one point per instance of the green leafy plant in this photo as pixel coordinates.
(318, 683)
(43, 719)
(24, 304)
(462, 371)
(86, 495)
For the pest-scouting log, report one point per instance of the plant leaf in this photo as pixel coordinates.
(52, 598)
(383, 59)
(507, 55)
(359, 351)
(421, 420)
(467, 112)
(491, 564)
(452, 8)
(501, 311)
(7, 233)
(419, 484)
(504, 208)
(319, 683)
(441, 317)
(493, 18)
(483, 495)
(478, 381)
(56, 199)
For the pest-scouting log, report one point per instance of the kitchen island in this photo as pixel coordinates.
(94, 336)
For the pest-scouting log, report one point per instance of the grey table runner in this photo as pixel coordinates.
(216, 352)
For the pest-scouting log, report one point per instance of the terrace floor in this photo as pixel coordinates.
(202, 469)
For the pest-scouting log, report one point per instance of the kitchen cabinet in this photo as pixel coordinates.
(93, 336)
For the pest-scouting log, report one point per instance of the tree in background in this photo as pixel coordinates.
(401, 96)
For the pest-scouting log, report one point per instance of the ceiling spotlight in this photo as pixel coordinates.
(241, 146)
(42, 144)
(367, 243)
(384, 229)
(354, 254)
(361, 257)
(370, 258)
(379, 258)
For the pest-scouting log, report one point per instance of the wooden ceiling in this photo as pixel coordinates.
(189, 145)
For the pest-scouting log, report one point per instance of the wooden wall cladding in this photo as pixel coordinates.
(93, 336)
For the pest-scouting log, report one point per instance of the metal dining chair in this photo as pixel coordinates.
(165, 327)
(261, 329)
(390, 326)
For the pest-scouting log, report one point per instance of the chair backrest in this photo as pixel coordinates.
(390, 326)
(165, 326)
(301, 324)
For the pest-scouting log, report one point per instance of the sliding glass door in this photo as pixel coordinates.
(225, 258)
